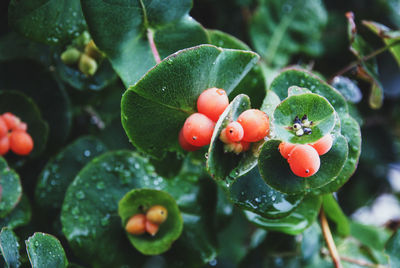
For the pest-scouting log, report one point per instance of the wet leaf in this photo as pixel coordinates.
(11, 189)
(19, 216)
(45, 250)
(9, 247)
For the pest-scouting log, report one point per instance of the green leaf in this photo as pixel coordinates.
(302, 78)
(367, 70)
(47, 21)
(281, 29)
(224, 209)
(335, 213)
(370, 236)
(50, 96)
(224, 165)
(94, 231)
(11, 189)
(317, 109)
(270, 102)
(389, 37)
(61, 170)
(253, 84)
(351, 131)
(134, 202)
(26, 109)
(9, 247)
(276, 171)
(250, 192)
(127, 30)
(392, 249)
(348, 88)
(45, 250)
(155, 108)
(296, 222)
(19, 216)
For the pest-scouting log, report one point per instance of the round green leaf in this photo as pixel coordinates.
(60, 171)
(250, 192)
(269, 104)
(45, 250)
(276, 171)
(126, 32)
(11, 189)
(351, 131)
(19, 216)
(348, 88)
(228, 166)
(134, 202)
(9, 247)
(302, 78)
(296, 222)
(318, 110)
(154, 110)
(50, 21)
(26, 109)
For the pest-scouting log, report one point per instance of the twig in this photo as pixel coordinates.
(365, 58)
(329, 240)
(150, 37)
(325, 252)
(95, 118)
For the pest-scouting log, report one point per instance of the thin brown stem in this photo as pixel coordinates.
(329, 240)
(150, 37)
(365, 58)
(361, 262)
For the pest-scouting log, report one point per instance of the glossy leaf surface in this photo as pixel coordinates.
(45, 250)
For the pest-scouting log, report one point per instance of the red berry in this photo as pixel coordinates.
(234, 132)
(4, 145)
(21, 126)
(3, 127)
(151, 228)
(21, 142)
(304, 160)
(11, 120)
(245, 146)
(223, 137)
(198, 129)
(186, 145)
(136, 225)
(285, 148)
(212, 103)
(255, 124)
(323, 145)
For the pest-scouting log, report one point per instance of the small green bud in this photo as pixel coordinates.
(70, 56)
(82, 40)
(87, 65)
(92, 51)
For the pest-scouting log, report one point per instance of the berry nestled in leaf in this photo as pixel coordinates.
(157, 214)
(136, 225)
(234, 132)
(151, 228)
(185, 144)
(285, 148)
(212, 103)
(11, 120)
(323, 145)
(304, 161)
(198, 129)
(255, 124)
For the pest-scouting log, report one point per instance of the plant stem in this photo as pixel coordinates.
(329, 240)
(150, 37)
(361, 262)
(365, 58)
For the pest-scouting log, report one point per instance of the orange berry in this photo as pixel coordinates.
(285, 148)
(186, 145)
(304, 160)
(255, 124)
(198, 129)
(323, 145)
(11, 120)
(157, 214)
(21, 126)
(21, 142)
(212, 103)
(136, 225)
(234, 132)
(223, 137)
(3, 127)
(151, 228)
(4, 145)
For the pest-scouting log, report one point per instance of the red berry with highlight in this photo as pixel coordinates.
(212, 103)
(323, 145)
(21, 142)
(304, 161)
(21, 126)
(285, 148)
(3, 127)
(4, 145)
(198, 129)
(234, 132)
(11, 120)
(185, 144)
(255, 124)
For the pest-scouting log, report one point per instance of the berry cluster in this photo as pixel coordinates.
(140, 223)
(13, 135)
(251, 126)
(84, 53)
(198, 128)
(304, 159)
